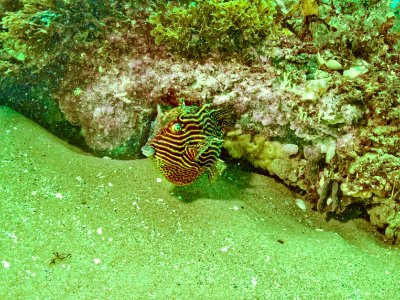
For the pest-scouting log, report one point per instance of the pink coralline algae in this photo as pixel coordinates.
(117, 105)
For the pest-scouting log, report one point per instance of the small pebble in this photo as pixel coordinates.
(6, 264)
(225, 249)
(300, 203)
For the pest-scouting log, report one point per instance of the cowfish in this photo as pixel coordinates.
(186, 142)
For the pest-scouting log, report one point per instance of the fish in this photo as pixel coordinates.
(186, 143)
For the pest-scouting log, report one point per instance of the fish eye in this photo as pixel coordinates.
(176, 127)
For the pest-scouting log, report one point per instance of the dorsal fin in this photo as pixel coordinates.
(225, 114)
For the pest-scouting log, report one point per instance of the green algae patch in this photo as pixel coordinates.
(73, 225)
(41, 32)
(205, 26)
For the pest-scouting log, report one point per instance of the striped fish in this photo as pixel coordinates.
(186, 142)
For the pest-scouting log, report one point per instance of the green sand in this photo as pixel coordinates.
(120, 233)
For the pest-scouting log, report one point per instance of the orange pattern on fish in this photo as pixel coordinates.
(186, 143)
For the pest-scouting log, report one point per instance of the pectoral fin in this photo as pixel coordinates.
(195, 151)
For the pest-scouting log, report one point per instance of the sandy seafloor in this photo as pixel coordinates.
(122, 233)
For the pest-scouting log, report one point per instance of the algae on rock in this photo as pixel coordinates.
(205, 26)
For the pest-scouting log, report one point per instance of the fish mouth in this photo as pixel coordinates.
(148, 151)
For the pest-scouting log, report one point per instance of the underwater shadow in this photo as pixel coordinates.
(229, 185)
(352, 212)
